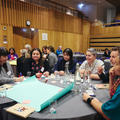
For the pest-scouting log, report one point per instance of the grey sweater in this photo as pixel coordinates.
(6, 77)
(52, 59)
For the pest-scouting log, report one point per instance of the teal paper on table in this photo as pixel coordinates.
(39, 94)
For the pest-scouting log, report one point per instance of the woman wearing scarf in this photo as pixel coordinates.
(110, 110)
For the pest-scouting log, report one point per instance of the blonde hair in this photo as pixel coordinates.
(28, 46)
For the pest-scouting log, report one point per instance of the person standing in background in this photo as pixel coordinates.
(28, 49)
(59, 51)
(52, 58)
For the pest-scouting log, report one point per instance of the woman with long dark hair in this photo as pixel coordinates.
(67, 57)
(35, 65)
(6, 72)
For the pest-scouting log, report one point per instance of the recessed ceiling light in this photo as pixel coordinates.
(69, 12)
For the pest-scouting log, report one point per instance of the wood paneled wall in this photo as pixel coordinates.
(6, 35)
(104, 37)
(19, 42)
(68, 31)
(77, 42)
(66, 40)
(16, 13)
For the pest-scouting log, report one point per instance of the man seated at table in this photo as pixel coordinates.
(91, 64)
(105, 76)
(6, 72)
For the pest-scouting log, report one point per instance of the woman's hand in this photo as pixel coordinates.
(112, 72)
(46, 74)
(61, 73)
(19, 79)
(100, 70)
(85, 96)
(38, 75)
(56, 72)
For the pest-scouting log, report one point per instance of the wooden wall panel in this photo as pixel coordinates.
(104, 37)
(15, 13)
(100, 31)
(20, 41)
(86, 35)
(9, 36)
(66, 40)
(35, 40)
(62, 29)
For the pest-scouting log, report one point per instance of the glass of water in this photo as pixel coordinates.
(28, 74)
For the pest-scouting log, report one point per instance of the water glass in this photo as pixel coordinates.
(28, 74)
(3, 93)
(53, 107)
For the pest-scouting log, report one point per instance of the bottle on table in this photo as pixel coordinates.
(77, 79)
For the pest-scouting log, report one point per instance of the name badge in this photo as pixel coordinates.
(9, 72)
(42, 69)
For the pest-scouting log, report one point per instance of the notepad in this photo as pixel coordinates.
(20, 110)
(5, 86)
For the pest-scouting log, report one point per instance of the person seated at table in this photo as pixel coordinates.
(12, 55)
(110, 110)
(20, 62)
(44, 51)
(113, 55)
(6, 72)
(91, 64)
(59, 51)
(35, 65)
(52, 58)
(67, 57)
(28, 49)
(106, 53)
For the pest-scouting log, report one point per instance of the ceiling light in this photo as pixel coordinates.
(81, 5)
(69, 12)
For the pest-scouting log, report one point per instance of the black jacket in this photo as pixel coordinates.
(20, 62)
(105, 76)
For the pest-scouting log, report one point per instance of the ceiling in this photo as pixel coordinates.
(92, 9)
(115, 2)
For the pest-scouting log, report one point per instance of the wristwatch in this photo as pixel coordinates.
(89, 100)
